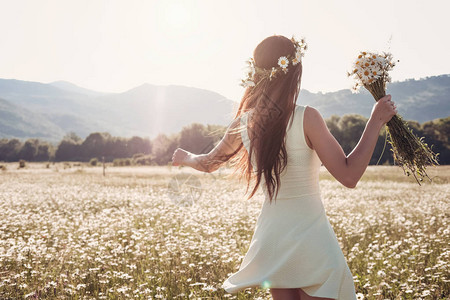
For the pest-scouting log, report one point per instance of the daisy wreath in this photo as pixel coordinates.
(283, 63)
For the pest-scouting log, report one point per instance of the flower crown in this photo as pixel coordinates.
(283, 62)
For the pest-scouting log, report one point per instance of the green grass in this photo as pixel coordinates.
(70, 233)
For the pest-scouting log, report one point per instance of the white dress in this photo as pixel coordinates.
(294, 245)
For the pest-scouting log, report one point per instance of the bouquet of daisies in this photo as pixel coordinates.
(370, 70)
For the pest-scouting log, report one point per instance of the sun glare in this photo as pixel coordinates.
(159, 107)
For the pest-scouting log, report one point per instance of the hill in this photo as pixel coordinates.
(146, 110)
(18, 122)
(419, 100)
(34, 109)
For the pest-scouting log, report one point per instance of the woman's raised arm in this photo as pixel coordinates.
(211, 161)
(347, 169)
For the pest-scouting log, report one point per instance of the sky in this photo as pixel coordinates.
(113, 46)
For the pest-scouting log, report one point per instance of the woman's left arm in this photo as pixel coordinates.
(209, 162)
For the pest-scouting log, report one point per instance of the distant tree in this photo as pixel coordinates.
(163, 148)
(144, 160)
(195, 138)
(9, 149)
(69, 150)
(72, 136)
(29, 150)
(351, 128)
(382, 153)
(348, 130)
(198, 138)
(415, 127)
(115, 147)
(138, 145)
(443, 129)
(332, 124)
(45, 152)
(101, 144)
(436, 135)
(95, 145)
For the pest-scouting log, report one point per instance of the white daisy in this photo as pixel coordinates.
(365, 77)
(283, 62)
(376, 72)
(365, 63)
(209, 288)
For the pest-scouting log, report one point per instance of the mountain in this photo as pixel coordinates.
(41, 97)
(150, 109)
(70, 87)
(49, 111)
(419, 100)
(65, 109)
(18, 122)
(146, 110)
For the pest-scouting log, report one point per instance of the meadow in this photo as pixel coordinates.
(68, 232)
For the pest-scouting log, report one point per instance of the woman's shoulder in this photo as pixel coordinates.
(308, 111)
(313, 120)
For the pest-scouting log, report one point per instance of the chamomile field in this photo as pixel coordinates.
(68, 232)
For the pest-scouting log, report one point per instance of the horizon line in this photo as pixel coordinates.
(182, 85)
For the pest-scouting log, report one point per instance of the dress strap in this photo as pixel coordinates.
(299, 130)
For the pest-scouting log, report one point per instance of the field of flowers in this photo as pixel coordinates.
(171, 233)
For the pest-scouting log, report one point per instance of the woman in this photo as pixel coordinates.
(294, 250)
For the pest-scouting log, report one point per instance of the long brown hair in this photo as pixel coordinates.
(273, 103)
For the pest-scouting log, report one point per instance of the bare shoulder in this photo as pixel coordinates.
(312, 113)
(312, 118)
(314, 127)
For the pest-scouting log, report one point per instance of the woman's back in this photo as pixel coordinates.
(301, 175)
(294, 244)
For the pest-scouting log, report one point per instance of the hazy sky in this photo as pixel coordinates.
(117, 45)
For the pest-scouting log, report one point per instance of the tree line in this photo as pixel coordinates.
(198, 138)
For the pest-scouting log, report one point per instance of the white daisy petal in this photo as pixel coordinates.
(283, 62)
